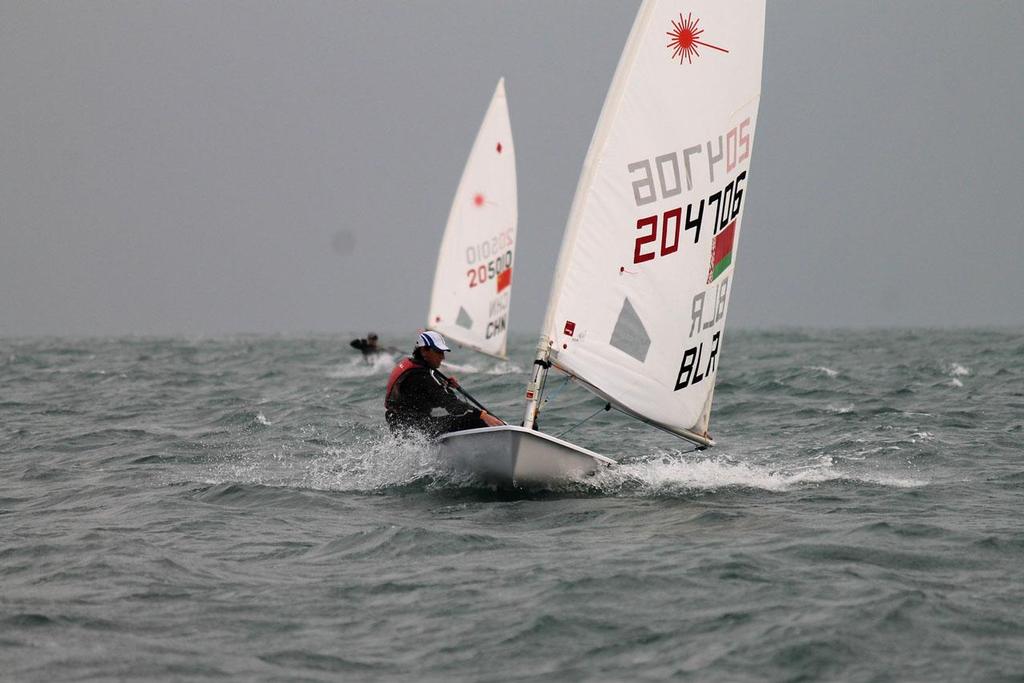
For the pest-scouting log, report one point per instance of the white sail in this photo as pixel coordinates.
(473, 280)
(641, 292)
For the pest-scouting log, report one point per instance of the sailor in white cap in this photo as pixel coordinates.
(418, 397)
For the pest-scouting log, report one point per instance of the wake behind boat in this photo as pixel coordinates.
(638, 304)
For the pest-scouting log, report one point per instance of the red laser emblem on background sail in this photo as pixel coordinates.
(685, 34)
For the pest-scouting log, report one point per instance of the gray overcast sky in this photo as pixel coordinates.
(210, 167)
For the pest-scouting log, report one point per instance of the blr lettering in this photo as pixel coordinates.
(691, 371)
(715, 315)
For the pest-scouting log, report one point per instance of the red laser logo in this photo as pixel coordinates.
(684, 35)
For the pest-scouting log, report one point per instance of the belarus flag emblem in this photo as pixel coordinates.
(721, 252)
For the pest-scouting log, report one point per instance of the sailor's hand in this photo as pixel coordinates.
(490, 420)
(453, 382)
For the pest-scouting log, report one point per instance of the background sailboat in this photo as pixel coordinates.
(472, 289)
(641, 290)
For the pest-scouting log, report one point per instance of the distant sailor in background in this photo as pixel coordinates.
(418, 397)
(368, 346)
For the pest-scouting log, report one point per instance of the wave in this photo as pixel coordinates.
(668, 474)
(957, 370)
(364, 366)
(822, 369)
(367, 462)
(380, 461)
(503, 367)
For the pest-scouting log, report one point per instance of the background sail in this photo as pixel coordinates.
(641, 292)
(473, 281)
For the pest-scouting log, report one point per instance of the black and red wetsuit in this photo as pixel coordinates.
(416, 398)
(366, 346)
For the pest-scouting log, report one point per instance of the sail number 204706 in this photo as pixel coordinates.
(727, 201)
(677, 172)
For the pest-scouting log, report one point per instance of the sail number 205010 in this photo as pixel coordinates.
(490, 270)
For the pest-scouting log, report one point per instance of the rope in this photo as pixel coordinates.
(606, 406)
(557, 391)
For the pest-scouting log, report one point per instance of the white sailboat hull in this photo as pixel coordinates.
(514, 457)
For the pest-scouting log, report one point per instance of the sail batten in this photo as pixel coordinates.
(472, 290)
(640, 295)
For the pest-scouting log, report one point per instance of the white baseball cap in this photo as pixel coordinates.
(431, 340)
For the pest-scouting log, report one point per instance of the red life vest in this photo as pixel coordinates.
(405, 366)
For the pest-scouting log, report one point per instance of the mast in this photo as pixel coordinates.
(535, 389)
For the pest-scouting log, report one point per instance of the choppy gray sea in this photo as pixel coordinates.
(209, 509)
